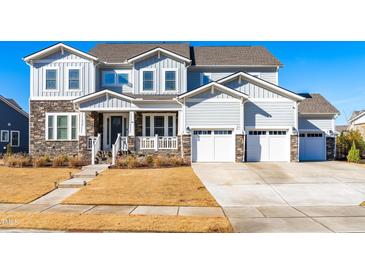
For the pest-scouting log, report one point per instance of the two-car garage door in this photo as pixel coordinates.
(268, 145)
(213, 146)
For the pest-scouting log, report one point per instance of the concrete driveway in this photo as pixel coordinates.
(288, 197)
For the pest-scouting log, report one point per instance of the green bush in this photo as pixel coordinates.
(345, 140)
(354, 154)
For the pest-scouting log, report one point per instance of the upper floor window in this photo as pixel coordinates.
(51, 79)
(170, 79)
(148, 80)
(205, 78)
(61, 126)
(73, 79)
(116, 78)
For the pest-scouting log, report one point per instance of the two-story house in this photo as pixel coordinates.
(209, 104)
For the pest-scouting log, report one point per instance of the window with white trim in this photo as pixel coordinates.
(116, 78)
(51, 79)
(74, 75)
(205, 78)
(5, 136)
(122, 78)
(170, 80)
(15, 138)
(160, 124)
(62, 126)
(148, 80)
(108, 78)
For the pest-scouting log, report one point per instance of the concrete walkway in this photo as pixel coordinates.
(288, 197)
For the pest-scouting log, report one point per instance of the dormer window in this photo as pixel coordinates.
(148, 80)
(51, 79)
(170, 79)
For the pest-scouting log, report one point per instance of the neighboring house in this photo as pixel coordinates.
(14, 126)
(357, 122)
(341, 128)
(209, 104)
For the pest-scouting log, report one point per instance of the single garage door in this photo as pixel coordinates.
(213, 146)
(312, 147)
(268, 145)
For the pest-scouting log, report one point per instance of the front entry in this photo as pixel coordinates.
(114, 124)
(116, 127)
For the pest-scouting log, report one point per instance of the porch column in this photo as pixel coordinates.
(180, 129)
(131, 132)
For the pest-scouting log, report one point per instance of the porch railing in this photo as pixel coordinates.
(95, 148)
(158, 142)
(121, 144)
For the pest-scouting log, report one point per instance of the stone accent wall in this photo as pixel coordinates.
(294, 152)
(94, 125)
(240, 147)
(131, 143)
(37, 120)
(186, 146)
(330, 148)
(138, 123)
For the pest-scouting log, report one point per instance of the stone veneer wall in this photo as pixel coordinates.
(94, 125)
(37, 120)
(294, 153)
(186, 146)
(240, 147)
(330, 148)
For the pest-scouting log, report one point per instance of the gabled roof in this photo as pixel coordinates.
(101, 93)
(356, 115)
(213, 85)
(56, 48)
(341, 128)
(118, 53)
(262, 83)
(158, 50)
(11, 103)
(315, 103)
(233, 55)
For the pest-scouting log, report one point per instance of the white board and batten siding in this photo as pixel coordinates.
(159, 63)
(315, 123)
(62, 62)
(216, 109)
(106, 102)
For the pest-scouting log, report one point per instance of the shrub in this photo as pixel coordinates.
(40, 161)
(132, 162)
(121, 162)
(60, 160)
(345, 140)
(76, 162)
(9, 149)
(17, 160)
(149, 161)
(354, 154)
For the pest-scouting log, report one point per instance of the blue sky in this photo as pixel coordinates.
(334, 69)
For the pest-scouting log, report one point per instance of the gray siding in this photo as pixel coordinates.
(159, 64)
(269, 114)
(215, 95)
(252, 90)
(315, 123)
(193, 81)
(62, 62)
(104, 102)
(218, 112)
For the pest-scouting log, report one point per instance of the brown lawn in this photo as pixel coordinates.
(168, 186)
(23, 185)
(90, 222)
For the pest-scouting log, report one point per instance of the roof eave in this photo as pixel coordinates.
(155, 50)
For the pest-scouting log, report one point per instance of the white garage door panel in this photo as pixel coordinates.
(312, 147)
(213, 146)
(270, 145)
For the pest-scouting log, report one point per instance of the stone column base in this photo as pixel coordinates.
(330, 148)
(294, 152)
(132, 144)
(186, 147)
(240, 148)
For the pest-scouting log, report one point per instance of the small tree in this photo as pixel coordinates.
(9, 149)
(354, 154)
(345, 140)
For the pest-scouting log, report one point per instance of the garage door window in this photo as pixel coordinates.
(202, 132)
(277, 132)
(257, 132)
(223, 132)
(314, 135)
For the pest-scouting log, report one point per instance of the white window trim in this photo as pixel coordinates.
(57, 80)
(152, 121)
(141, 80)
(256, 74)
(209, 74)
(176, 79)
(11, 138)
(4, 140)
(116, 72)
(67, 78)
(69, 126)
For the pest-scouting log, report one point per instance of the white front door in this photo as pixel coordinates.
(312, 146)
(268, 145)
(213, 146)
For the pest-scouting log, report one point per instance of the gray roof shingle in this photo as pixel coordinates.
(315, 103)
(356, 113)
(341, 128)
(202, 56)
(113, 53)
(234, 55)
